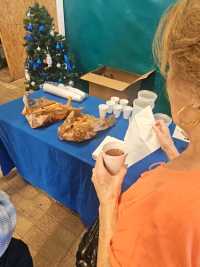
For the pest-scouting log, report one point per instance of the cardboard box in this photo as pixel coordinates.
(105, 82)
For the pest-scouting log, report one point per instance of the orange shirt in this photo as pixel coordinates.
(159, 221)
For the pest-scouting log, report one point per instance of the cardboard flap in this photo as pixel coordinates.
(145, 76)
(104, 81)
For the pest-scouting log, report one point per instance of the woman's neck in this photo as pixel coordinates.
(190, 158)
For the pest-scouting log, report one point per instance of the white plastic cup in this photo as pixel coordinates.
(115, 99)
(149, 95)
(123, 102)
(103, 109)
(141, 103)
(114, 163)
(161, 116)
(110, 106)
(127, 112)
(117, 109)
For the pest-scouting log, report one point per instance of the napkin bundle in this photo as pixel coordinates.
(64, 91)
(140, 139)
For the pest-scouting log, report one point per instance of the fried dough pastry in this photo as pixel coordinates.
(82, 127)
(42, 111)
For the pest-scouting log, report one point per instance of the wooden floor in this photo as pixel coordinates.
(51, 231)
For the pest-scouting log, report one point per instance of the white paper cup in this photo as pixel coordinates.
(123, 102)
(115, 99)
(141, 103)
(110, 106)
(103, 109)
(161, 116)
(149, 95)
(117, 109)
(114, 163)
(127, 112)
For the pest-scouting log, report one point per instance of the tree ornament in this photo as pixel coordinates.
(70, 66)
(58, 65)
(41, 28)
(33, 83)
(27, 76)
(29, 27)
(28, 38)
(66, 59)
(39, 62)
(38, 48)
(58, 46)
(28, 14)
(49, 60)
(52, 33)
(71, 83)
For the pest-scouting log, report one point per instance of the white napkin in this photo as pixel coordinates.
(179, 134)
(140, 139)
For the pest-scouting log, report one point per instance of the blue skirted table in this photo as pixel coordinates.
(61, 169)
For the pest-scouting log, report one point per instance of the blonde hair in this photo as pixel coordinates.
(177, 41)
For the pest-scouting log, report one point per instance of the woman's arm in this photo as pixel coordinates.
(108, 188)
(166, 140)
(107, 221)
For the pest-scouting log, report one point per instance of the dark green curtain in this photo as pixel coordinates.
(117, 33)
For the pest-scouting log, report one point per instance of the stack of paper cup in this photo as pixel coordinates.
(103, 109)
(114, 156)
(117, 109)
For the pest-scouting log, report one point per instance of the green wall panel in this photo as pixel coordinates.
(117, 33)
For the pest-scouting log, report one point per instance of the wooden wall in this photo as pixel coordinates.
(12, 31)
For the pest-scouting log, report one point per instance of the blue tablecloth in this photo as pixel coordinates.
(62, 169)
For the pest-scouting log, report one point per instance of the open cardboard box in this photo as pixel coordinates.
(105, 82)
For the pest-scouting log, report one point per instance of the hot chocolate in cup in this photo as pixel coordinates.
(114, 156)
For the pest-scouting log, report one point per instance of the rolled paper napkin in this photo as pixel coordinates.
(7, 222)
(64, 91)
(76, 91)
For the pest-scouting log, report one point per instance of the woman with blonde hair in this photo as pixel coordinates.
(155, 223)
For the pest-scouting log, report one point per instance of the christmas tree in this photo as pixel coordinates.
(48, 58)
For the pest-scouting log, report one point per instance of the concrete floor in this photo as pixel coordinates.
(51, 231)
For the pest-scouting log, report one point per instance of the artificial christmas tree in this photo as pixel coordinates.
(48, 58)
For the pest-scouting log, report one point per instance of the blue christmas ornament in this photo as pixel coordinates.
(70, 66)
(41, 28)
(57, 46)
(66, 60)
(28, 38)
(39, 62)
(35, 66)
(29, 27)
(30, 63)
(61, 45)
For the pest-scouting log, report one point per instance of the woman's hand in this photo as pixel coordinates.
(165, 139)
(108, 187)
